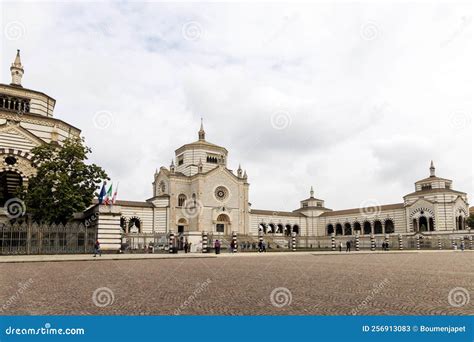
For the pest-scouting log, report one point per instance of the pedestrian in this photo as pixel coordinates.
(260, 246)
(189, 247)
(186, 247)
(217, 247)
(264, 249)
(97, 249)
(231, 247)
(340, 246)
(348, 246)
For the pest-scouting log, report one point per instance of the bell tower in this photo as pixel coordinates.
(17, 70)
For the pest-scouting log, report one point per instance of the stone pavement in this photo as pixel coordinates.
(408, 283)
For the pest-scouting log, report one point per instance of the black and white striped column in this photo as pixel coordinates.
(205, 242)
(471, 244)
(171, 243)
(293, 241)
(440, 246)
(357, 242)
(234, 240)
(372, 242)
(418, 242)
(400, 242)
(333, 241)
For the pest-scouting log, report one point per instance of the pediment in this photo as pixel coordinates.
(14, 136)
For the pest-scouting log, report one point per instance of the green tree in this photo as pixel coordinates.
(64, 184)
(470, 221)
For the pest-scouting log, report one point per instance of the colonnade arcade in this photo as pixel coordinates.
(278, 228)
(364, 228)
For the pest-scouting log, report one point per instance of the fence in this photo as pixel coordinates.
(33, 238)
(141, 242)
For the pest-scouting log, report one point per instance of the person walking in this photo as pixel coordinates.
(186, 247)
(348, 246)
(217, 247)
(340, 246)
(97, 249)
(189, 247)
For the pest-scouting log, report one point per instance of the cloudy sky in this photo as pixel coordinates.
(354, 99)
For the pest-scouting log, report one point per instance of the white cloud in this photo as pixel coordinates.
(372, 92)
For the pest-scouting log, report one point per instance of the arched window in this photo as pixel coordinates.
(367, 228)
(134, 225)
(431, 222)
(279, 229)
(181, 200)
(347, 229)
(330, 229)
(356, 227)
(262, 227)
(272, 228)
(288, 230)
(378, 227)
(338, 229)
(389, 227)
(423, 223)
(296, 229)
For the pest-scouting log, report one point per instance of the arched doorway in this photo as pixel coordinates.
(378, 227)
(423, 224)
(338, 229)
(347, 229)
(330, 229)
(367, 228)
(10, 183)
(460, 222)
(389, 227)
(222, 224)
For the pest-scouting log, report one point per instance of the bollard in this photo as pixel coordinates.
(453, 244)
(372, 242)
(333, 242)
(470, 242)
(293, 241)
(440, 246)
(234, 240)
(418, 242)
(357, 246)
(386, 241)
(204, 242)
(400, 242)
(171, 243)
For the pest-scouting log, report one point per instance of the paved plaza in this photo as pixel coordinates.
(427, 283)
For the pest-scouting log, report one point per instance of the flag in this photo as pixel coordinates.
(114, 197)
(102, 193)
(108, 195)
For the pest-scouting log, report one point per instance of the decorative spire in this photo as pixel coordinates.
(245, 175)
(311, 192)
(239, 172)
(172, 165)
(432, 170)
(202, 133)
(17, 70)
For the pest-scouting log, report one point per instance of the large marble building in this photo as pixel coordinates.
(198, 192)
(26, 120)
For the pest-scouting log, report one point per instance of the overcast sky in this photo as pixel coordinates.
(354, 99)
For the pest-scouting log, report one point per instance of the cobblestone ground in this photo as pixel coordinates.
(390, 284)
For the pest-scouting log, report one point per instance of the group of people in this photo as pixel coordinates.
(349, 244)
(217, 246)
(187, 246)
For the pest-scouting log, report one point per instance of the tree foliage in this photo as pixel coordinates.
(64, 184)
(470, 221)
